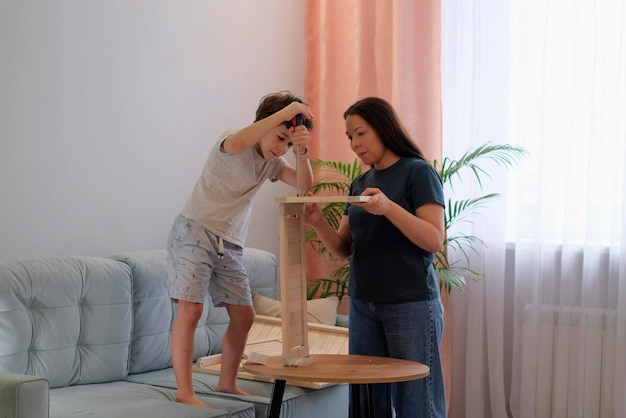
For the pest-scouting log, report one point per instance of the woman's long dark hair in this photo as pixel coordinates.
(381, 116)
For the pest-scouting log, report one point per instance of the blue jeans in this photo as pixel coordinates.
(410, 331)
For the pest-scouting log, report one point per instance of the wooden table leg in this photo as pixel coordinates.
(277, 398)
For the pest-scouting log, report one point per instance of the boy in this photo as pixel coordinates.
(206, 241)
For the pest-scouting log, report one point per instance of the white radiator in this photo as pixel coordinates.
(568, 362)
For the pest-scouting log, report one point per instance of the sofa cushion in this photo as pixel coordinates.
(298, 402)
(124, 400)
(154, 312)
(67, 319)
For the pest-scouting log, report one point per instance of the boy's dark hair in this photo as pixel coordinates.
(381, 116)
(274, 102)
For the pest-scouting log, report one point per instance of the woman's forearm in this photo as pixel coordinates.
(333, 240)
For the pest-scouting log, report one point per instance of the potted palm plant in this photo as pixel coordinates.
(335, 177)
(457, 211)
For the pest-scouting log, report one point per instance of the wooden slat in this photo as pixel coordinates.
(321, 199)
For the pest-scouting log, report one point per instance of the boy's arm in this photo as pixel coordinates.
(247, 137)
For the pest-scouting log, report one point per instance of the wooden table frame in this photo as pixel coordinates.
(292, 269)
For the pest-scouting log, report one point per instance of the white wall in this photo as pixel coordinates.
(109, 108)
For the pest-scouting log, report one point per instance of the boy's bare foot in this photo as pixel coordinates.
(193, 401)
(234, 390)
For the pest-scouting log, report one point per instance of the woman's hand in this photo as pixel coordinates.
(338, 241)
(313, 216)
(378, 203)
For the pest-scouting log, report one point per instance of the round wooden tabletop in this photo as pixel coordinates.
(342, 368)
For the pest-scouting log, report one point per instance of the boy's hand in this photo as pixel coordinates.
(295, 108)
(299, 138)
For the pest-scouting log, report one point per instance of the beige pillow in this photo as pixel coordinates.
(320, 311)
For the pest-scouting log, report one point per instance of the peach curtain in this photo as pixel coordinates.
(360, 48)
(385, 48)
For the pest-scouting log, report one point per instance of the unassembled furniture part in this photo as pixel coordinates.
(292, 268)
(264, 341)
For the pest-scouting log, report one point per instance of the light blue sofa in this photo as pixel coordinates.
(89, 336)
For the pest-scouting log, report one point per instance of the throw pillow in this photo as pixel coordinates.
(320, 311)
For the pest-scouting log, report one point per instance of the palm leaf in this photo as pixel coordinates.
(505, 155)
(455, 277)
(459, 211)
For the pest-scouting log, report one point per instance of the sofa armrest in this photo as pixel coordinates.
(23, 396)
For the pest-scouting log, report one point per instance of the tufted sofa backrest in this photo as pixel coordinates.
(67, 319)
(78, 320)
(154, 313)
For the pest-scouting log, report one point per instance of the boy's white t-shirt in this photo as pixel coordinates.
(223, 196)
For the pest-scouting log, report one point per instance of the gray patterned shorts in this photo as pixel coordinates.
(197, 266)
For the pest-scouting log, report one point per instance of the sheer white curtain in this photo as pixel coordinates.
(549, 75)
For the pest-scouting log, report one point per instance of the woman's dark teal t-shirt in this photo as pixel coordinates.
(386, 267)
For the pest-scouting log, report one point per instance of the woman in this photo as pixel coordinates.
(395, 306)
